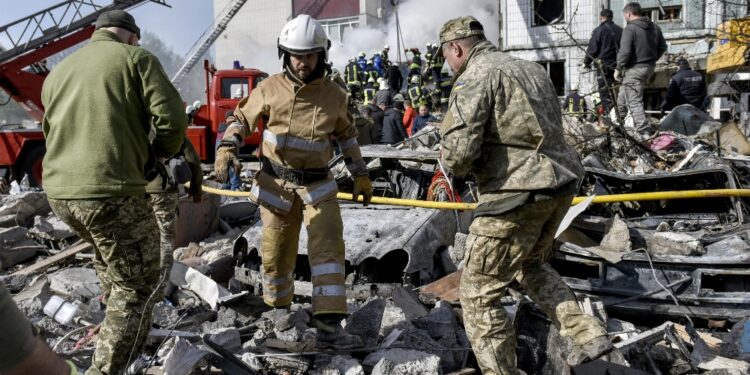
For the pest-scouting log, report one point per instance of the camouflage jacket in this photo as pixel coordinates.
(505, 127)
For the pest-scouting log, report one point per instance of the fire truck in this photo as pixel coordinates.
(33, 39)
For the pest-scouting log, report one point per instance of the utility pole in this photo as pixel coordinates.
(500, 24)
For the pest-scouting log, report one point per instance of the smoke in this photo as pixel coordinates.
(420, 22)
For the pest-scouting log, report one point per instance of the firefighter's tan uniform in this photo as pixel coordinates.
(302, 123)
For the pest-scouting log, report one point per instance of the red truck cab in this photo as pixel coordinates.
(225, 88)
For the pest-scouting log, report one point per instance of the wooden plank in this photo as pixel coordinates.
(72, 250)
(713, 343)
(447, 289)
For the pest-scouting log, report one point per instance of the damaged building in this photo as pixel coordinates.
(555, 33)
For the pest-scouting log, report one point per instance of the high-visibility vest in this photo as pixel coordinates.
(415, 94)
(369, 94)
(571, 105)
(373, 74)
(352, 74)
(438, 62)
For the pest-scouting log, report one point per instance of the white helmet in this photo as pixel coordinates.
(303, 35)
(428, 44)
(386, 47)
(415, 79)
(574, 88)
(434, 45)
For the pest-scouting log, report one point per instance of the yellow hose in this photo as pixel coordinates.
(612, 198)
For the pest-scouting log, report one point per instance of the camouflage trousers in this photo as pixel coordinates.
(165, 210)
(124, 234)
(516, 246)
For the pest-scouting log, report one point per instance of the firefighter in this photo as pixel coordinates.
(362, 63)
(415, 68)
(352, 76)
(368, 94)
(371, 72)
(416, 92)
(574, 103)
(436, 65)
(303, 111)
(384, 55)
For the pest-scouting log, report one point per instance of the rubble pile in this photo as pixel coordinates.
(668, 278)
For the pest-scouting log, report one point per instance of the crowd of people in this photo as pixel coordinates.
(389, 101)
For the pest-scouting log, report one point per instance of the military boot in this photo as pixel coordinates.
(594, 349)
(331, 335)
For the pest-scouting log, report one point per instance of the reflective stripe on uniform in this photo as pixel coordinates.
(356, 166)
(347, 143)
(329, 291)
(294, 142)
(327, 269)
(278, 294)
(270, 198)
(268, 280)
(235, 125)
(312, 196)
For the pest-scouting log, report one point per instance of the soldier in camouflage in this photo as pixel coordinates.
(504, 127)
(100, 104)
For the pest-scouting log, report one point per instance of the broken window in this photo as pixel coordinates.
(556, 72)
(670, 14)
(547, 12)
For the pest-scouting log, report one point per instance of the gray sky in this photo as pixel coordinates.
(179, 26)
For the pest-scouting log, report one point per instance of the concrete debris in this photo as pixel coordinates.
(16, 247)
(21, 209)
(617, 237)
(228, 338)
(340, 365)
(51, 228)
(184, 358)
(674, 243)
(189, 278)
(76, 283)
(402, 362)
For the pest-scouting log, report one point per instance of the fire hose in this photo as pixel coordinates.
(610, 198)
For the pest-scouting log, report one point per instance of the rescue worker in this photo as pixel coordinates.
(23, 351)
(642, 43)
(503, 126)
(371, 73)
(384, 55)
(100, 104)
(686, 87)
(362, 63)
(353, 77)
(415, 67)
(164, 195)
(602, 49)
(368, 94)
(415, 92)
(436, 65)
(394, 77)
(377, 62)
(574, 103)
(428, 57)
(303, 112)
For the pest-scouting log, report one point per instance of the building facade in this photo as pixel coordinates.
(555, 33)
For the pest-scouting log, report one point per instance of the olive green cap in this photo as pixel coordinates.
(459, 28)
(118, 18)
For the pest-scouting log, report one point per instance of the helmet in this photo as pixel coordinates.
(434, 45)
(415, 79)
(352, 60)
(574, 88)
(428, 44)
(362, 54)
(303, 35)
(386, 47)
(371, 80)
(369, 62)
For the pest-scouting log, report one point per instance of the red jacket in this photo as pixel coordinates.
(409, 114)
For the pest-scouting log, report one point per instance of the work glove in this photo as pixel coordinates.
(362, 186)
(618, 75)
(226, 155)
